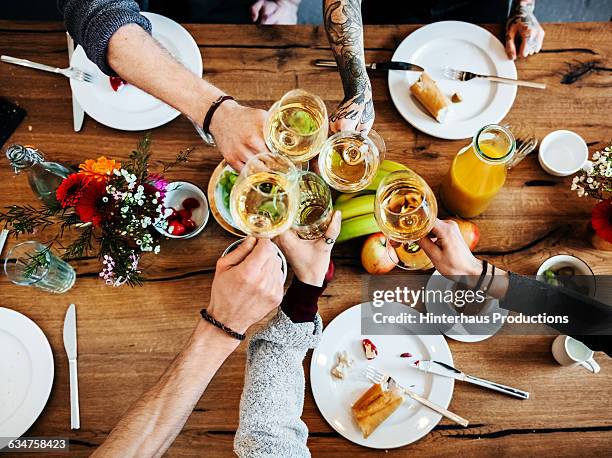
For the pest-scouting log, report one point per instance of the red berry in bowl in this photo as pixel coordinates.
(190, 203)
(176, 228)
(184, 215)
(190, 225)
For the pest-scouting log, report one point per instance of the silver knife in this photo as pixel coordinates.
(391, 65)
(78, 114)
(70, 344)
(446, 370)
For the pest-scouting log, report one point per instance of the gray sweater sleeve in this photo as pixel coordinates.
(91, 24)
(273, 395)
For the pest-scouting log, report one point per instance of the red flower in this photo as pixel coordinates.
(601, 219)
(71, 189)
(94, 204)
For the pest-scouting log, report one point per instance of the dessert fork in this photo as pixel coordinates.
(461, 75)
(68, 72)
(376, 376)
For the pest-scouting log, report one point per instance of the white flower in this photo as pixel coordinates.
(157, 249)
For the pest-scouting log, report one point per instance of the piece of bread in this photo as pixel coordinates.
(374, 407)
(426, 91)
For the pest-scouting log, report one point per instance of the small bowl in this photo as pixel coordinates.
(563, 153)
(176, 193)
(565, 260)
(232, 246)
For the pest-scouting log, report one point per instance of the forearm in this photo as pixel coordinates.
(344, 28)
(521, 7)
(143, 62)
(153, 422)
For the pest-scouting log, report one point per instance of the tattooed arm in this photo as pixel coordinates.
(522, 21)
(345, 32)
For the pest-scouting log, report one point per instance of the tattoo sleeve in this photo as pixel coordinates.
(345, 32)
(521, 10)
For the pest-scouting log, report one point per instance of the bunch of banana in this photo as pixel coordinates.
(358, 207)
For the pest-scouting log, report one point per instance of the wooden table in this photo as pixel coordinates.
(127, 337)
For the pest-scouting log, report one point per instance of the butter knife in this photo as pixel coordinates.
(78, 114)
(446, 370)
(391, 65)
(70, 344)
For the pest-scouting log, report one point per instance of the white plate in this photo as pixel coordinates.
(334, 397)
(463, 333)
(26, 373)
(465, 47)
(130, 108)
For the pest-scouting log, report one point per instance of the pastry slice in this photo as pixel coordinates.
(426, 91)
(374, 407)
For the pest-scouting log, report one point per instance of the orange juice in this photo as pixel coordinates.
(478, 172)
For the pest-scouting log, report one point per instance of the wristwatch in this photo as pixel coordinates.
(204, 130)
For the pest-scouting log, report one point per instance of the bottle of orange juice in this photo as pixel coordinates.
(478, 172)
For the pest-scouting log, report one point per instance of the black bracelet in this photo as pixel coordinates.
(218, 324)
(486, 290)
(211, 111)
(485, 265)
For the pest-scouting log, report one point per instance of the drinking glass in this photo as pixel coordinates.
(296, 126)
(315, 208)
(32, 264)
(265, 197)
(405, 209)
(349, 160)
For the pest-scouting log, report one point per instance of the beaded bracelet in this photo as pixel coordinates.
(218, 324)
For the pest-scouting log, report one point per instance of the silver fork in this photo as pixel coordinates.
(461, 75)
(376, 376)
(69, 72)
(526, 142)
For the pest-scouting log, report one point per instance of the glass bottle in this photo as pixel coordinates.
(478, 172)
(44, 177)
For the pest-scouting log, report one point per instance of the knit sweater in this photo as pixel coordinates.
(273, 395)
(92, 23)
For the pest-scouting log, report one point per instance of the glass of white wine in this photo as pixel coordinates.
(315, 208)
(264, 199)
(405, 210)
(297, 126)
(349, 160)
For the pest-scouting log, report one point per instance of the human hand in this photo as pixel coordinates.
(238, 132)
(354, 113)
(309, 259)
(248, 284)
(449, 253)
(269, 12)
(522, 22)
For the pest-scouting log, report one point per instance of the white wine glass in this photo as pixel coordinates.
(315, 209)
(264, 199)
(406, 210)
(296, 126)
(349, 160)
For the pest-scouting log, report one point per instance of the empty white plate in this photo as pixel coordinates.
(461, 46)
(334, 397)
(26, 373)
(130, 108)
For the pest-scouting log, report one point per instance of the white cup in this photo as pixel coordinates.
(232, 246)
(563, 153)
(568, 351)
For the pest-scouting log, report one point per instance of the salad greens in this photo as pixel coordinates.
(302, 122)
(226, 182)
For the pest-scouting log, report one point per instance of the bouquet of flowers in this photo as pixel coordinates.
(110, 204)
(595, 181)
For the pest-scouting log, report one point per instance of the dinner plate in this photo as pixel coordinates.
(26, 373)
(462, 46)
(219, 211)
(334, 397)
(130, 108)
(468, 333)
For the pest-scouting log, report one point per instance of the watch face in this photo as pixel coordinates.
(207, 137)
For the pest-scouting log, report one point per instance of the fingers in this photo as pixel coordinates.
(432, 250)
(541, 35)
(257, 258)
(235, 163)
(256, 9)
(333, 230)
(239, 254)
(343, 124)
(510, 42)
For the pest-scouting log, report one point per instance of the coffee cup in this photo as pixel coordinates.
(568, 351)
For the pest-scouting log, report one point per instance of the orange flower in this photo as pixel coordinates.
(99, 169)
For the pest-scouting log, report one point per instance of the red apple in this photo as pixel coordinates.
(374, 256)
(469, 232)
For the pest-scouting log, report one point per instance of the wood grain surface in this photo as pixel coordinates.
(127, 337)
